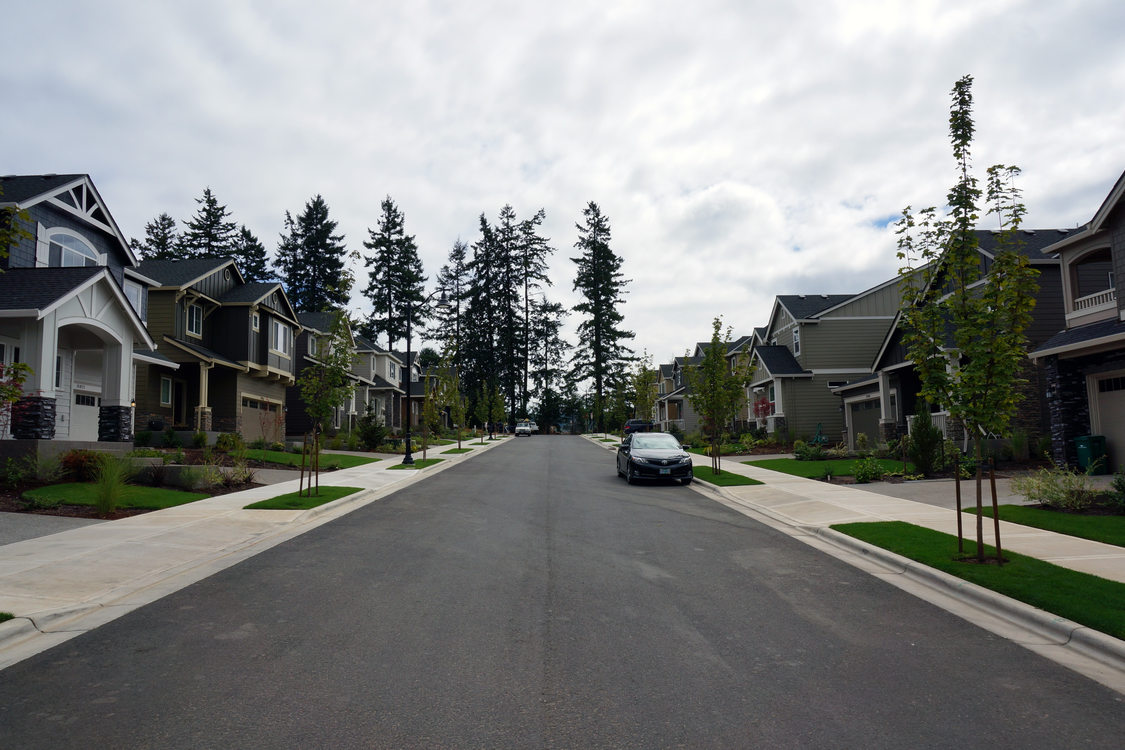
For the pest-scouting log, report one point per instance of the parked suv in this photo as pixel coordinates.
(637, 425)
(523, 428)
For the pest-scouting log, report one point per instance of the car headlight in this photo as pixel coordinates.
(639, 460)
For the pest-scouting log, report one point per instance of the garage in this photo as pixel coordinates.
(863, 417)
(1109, 405)
(260, 420)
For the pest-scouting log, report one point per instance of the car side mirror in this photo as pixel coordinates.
(686, 447)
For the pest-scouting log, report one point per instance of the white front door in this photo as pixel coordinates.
(84, 416)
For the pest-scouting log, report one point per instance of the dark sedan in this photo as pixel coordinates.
(653, 455)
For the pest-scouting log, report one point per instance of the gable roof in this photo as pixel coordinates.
(805, 306)
(778, 361)
(179, 274)
(1096, 224)
(73, 193)
(1032, 242)
(321, 322)
(1093, 334)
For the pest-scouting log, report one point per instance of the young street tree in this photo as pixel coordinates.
(312, 261)
(716, 389)
(161, 242)
(208, 234)
(964, 324)
(601, 355)
(326, 383)
(395, 284)
(643, 384)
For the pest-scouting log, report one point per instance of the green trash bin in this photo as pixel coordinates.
(1091, 452)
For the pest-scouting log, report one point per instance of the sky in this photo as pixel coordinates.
(741, 149)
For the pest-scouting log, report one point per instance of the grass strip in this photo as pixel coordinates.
(327, 460)
(1107, 529)
(723, 479)
(1081, 597)
(293, 501)
(456, 450)
(419, 463)
(135, 496)
(840, 467)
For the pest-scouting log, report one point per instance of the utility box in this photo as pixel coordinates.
(1092, 453)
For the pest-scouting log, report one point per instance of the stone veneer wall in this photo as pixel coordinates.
(33, 418)
(115, 424)
(1068, 401)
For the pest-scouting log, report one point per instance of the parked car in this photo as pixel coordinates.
(534, 428)
(523, 428)
(653, 455)
(636, 425)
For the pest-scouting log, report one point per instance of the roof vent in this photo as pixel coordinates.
(1063, 231)
(800, 296)
(824, 296)
(1029, 231)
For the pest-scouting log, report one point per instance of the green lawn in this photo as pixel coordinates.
(136, 496)
(293, 501)
(1083, 598)
(842, 467)
(327, 460)
(723, 479)
(457, 450)
(419, 463)
(1108, 529)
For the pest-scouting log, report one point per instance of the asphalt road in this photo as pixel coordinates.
(529, 598)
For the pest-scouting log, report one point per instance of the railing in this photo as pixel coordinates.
(940, 420)
(1091, 301)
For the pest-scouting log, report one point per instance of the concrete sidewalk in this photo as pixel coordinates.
(63, 584)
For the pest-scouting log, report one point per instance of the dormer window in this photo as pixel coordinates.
(195, 321)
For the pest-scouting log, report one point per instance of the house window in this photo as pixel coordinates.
(195, 321)
(165, 391)
(70, 250)
(83, 399)
(255, 323)
(312, 345)
(134, 293)
(796, 341)
(58, 372)
(393, 375)
(280, 337)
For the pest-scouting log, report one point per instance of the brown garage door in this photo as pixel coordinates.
(865, 419)
(260, 419)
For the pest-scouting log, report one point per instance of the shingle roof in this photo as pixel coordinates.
(1032, 241)
(804, 306)
(38, 288)
(180, 272)
(1073, 338)
(779, 361)
(248, 293)
(204, 352)
(19, 188)
(317, 321)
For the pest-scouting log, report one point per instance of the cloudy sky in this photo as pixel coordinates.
(741, 148)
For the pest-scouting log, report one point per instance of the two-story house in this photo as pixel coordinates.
(1085, 362)
(380, 374)
(233, 341)
(312, 345)
(811, 344)
(883, 405)
(72, 307)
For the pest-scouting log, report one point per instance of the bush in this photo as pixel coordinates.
(803, 451)
(14, 472)
(861, 443)
(868, 470)
(171, 439)
(143, 438)
(145, 453)
(199, 439)
(1058, 488)
(676, 432)
(228, 442)
(838, 451)
(81, 466)
(259, 444)
(1117, 496)
(278, 446)
(371, 430)
(110, 482)
(923, 446)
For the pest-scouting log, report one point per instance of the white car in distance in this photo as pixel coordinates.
(523, 428)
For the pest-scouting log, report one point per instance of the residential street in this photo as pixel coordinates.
(530, 598)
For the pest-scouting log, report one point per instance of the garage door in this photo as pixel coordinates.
(1111, 419)
(260, 419)
(865, 419)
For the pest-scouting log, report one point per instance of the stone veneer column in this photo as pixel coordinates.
(115, 424)
(33, 418)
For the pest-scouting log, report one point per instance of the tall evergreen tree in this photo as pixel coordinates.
(396, 281)
(208, 234)
(161, 242)
(250, 254)
(602, 354)
(532, 254)
(453, 279)
(312, 261)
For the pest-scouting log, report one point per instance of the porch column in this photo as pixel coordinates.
(888, 422)
(33, 416)
(203, 411)
(115, 416)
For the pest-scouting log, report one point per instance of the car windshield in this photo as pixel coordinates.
(654, 440)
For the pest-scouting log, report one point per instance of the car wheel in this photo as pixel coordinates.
(685, 480)
(629, 475)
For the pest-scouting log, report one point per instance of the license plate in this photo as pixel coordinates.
(665, 471)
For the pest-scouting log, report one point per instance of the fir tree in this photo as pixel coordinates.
(601, 355)
(395, 279)
(208, 234)
(250, 254)
(312, 261)
(161, 242)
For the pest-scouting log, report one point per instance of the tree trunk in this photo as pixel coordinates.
(980, 503)
(957, 489)
(995, 511)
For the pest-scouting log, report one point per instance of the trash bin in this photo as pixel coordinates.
(1091, 453)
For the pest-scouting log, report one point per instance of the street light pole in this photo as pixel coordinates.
(443, 304)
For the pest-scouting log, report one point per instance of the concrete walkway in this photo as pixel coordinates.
(66, 583)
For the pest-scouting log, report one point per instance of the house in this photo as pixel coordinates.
(812, 344)
(1084, 362)
(379, 373)
(673, 407)
(233, 342)
(311, 345)
(882, 405)
(72, 307)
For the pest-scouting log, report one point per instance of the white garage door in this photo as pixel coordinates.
(1111, 418)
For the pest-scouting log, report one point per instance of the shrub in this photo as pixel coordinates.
(259, 444)
(1057, 487)
(145, 453)
(81, 466)
(199, 439)
(677, 432)
(838, 451)
(110, 482)
(239, 474)
(803, 451)
(171, 439)
(278, 446)
(228, 442)
(1117, 495)
(923, 446)
(143, 438)
(371, 430)
(868, 470)
(174, 458)
(1045, 446)
(14, 472)
(861, 443)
